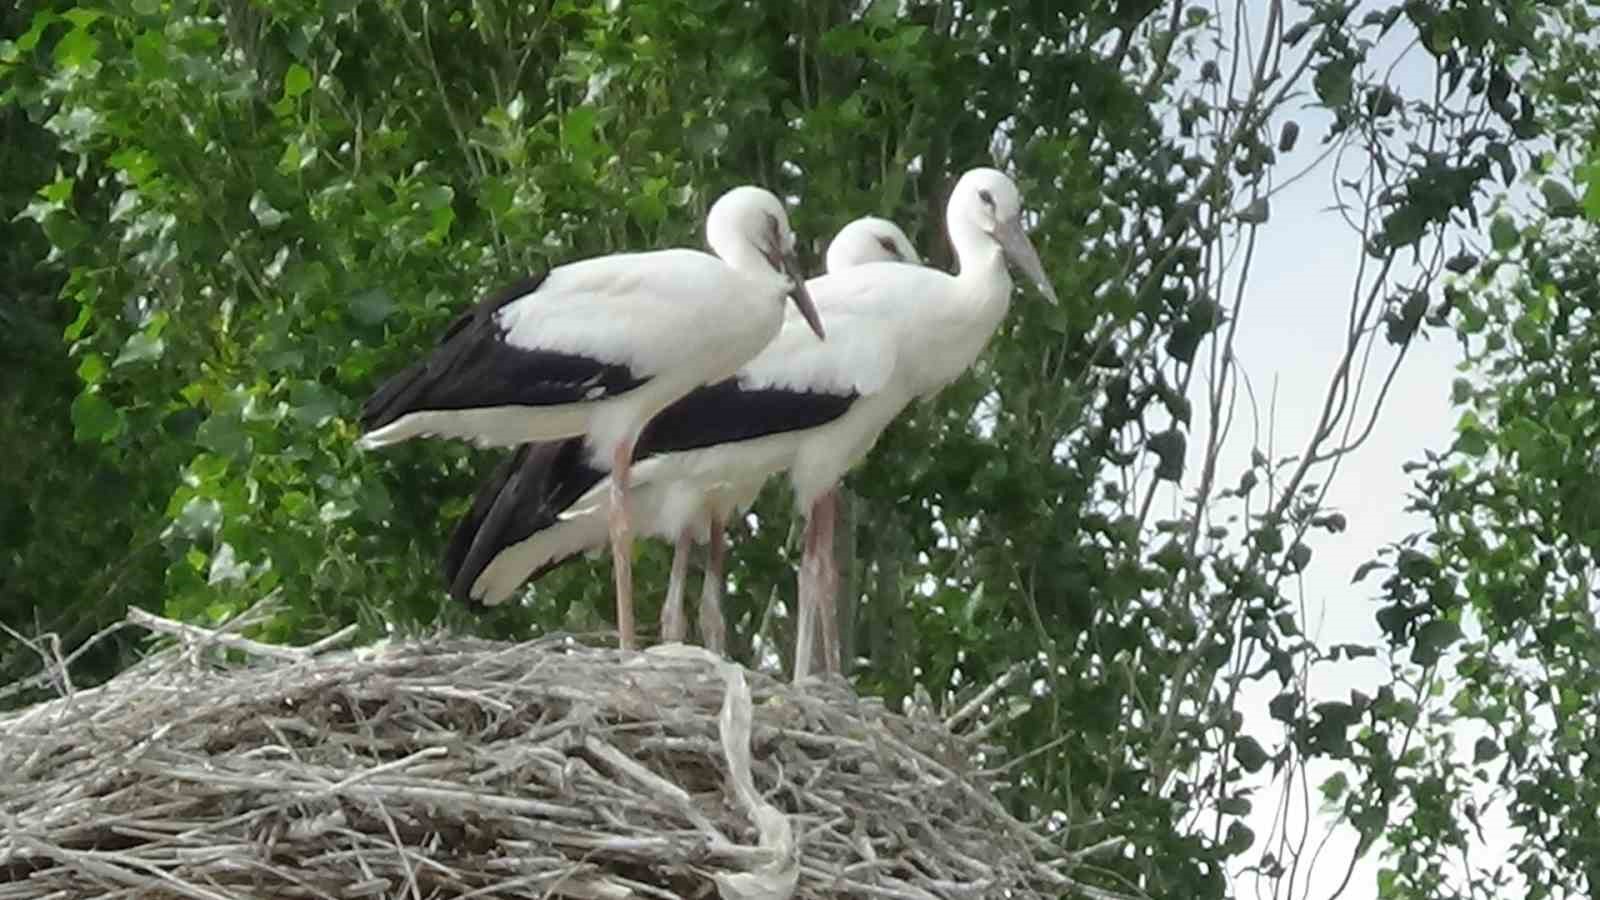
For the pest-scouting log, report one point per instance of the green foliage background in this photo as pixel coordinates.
(224, 221)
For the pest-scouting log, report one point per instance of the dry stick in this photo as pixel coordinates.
(672, 796)
(206, 636)
(779, 877)
(425, 753)
(973, 706)
(359, 766)
(105, 865)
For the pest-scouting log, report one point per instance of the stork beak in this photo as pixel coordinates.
(801, 296)
(1017, 248)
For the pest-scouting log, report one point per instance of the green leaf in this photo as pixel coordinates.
(1558, 198)
(371, 307)
(1591, 193)
(1334, 786)
(1432, 640)
(94, 418)
(1405, 226)
(1234, 806)
(41, 20)
(1473, 442)
(1299, 557)
(1287, 623)
(1256, 213)
(265, 213)
(199, 517)
(82, 16)
(436, 196)
(1169, 447)
(1170, 557)
(141, 346)
(1484, 750)
(1239, 839)
(1283, 706)
(150, 53)
(92, 369)
(312, 404)
(224, 434)
(1269, 539)
(1503, 233)
(577, 133)
(1333, 81)
(59, 191)
(1249, 754)
(1247, 482)
(296, 81)
(336, 510)
(76, 328)
(77, 49)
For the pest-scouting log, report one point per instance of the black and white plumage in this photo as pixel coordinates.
(545, 505)
(595, 348)
(899, 332)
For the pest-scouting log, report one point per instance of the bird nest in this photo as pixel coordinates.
(223, 768)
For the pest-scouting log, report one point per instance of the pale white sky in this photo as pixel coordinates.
(1291, 332)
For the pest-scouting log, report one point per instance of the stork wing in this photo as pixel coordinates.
(796, 383)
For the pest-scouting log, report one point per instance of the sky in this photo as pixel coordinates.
(1290, 337)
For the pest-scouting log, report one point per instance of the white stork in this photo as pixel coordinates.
(527, 518)
(814, 410)
(597, 347)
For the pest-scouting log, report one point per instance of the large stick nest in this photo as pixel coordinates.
(453, 768)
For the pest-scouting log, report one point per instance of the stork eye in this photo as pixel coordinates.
(888, 244)
(986, 197)
(774, 249)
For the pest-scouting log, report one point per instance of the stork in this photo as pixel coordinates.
(527, 519)
(593, 349)
(901, 332)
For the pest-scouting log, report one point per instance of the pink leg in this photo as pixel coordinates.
(807, 596)
(674, 624)
(713, 631)
(622, 544)
(823, 513)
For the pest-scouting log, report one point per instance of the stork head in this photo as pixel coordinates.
(748, 219)
(870, 239)
(987, 204)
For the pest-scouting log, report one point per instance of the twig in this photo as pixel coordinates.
(203, 636)
(973, 706)
(544, 767)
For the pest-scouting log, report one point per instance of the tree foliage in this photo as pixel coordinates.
(1490, 610)
(255, 210)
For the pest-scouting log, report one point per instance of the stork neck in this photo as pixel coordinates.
(980, 259)
(744, 256)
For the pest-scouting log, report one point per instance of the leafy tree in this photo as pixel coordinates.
(1490, 611)
(70, 557)
(264, 207)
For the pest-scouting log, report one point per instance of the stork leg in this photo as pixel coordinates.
(713, 631)
(808, 596)
(674, 624)
(622, 543)
(824, 512)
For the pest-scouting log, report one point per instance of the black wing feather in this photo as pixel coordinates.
(729, 412)
(473, 367)
(525, 495)
(529, 490)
